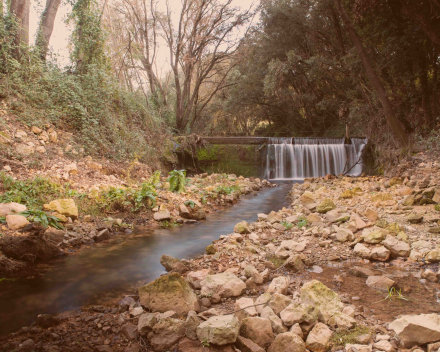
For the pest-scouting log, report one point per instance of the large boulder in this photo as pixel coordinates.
(11, 209)
(258, 330)
(318, 338)
(173, 264)
(168, 292)
(166, 333)
(219, 330)
(16, 222)
(224, 284)
(418, 330)
(320, 296)
(287, 342)
(325, 206)
(162, 215)
(64, 207)
(195, 277)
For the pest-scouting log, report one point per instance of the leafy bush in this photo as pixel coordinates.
(190, 203)
(226, 190)
(146, 193)
(177, 180)
(287, 225)
(43, 218)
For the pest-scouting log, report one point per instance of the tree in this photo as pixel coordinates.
(20, 8)
(200, 52)
(45, 27)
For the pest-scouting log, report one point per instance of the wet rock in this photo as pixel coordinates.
(168, 292)
(258, 330)
(16, 222)
(184, 211)
(318, 338)
(191, 324)
(199, 214)
(380, 253)
(397, 248)
(277, 324)
(245, 308)
(279, 285)
(242, 228)
(162, 215)
(287, 342)
(429, 275)
(418, 330)
(299, 313)
(362, 251)
(360, 271)
(46, 321)
(11, 209)
(146, 323)
(246, 345)
(325, 206)
(66, 207)
(195, 278)
(381, 283)
(166, 333)
(130, 332)
(224, 284)
(415, 218)
(173, 264)
(320, 296)
(220, 330)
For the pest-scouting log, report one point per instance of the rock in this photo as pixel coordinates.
(307, 198)
(36, 130)
(251, 272)
(264, 298)
(191, 324)
(349, 310)
(332, 215)
(65, 207)
(299, 313)
(295, 263)
(361, 251)
(258, 330)
(184, 211)
(195, 278)
(287, 342)
(71, 169)
(320, 296)
(103, 348)
(371, 215)
(409, 200)
(344, 235)
(381, 283)
(224, 284)
(168, 292)
(125, 304)
(277, 324)
(374, 237)
(318, 338)
(279, 285)
(46, 321)
(415, 330)
(146, 323)
(54, 235)
(53, 137)
(358, 348)
(360, 271)
(162, 215)
(199, 214)
(167, 332)
(210, 249)
(430, 275)
(245, 308)
(26, 346)
(296, 329)
(342, 321)
(415, 218)
(380, 253)
(129, 331)
(11, 209)
(246, 345)
(242, 228)
(381, 197)
(16, 222)
(279, 302)
(314, 218)
(384, 346)
(173, 264)
(24, 149)
(220, 330)
(325, 206)
(274, 217)
(433, 256)
(397, 248)
(102, 235)
(396, 181)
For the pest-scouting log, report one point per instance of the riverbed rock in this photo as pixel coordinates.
(380, 253)
(16, 222)
(162, 215)
(146, 323)
(166, 333)
(258, 330)
(279, 302)
(319, 338)
(195, 278)
(362, 251)
(277, 324)
(320, 296)
(66, 207)
(326, 205)
(173, 264)
(11, 209)
(433, 256)
(251, 272)
(242, 228)
(220, 330)
(54, 235)
(415, 218)
(246, 345)
(245, 308)
(184, 211)
(287, 342)
(168, 292)
(130, 332)
(46, 321)
(125, 304)
(397, 248)
(418, 330)
(342, 321)
(279, 285)
(191, 324)
(382, 283)
(274, 217)
(371, 215)
(374, 237)
(224, 284)
(299, 313)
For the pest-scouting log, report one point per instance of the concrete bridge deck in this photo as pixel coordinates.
(250, 140)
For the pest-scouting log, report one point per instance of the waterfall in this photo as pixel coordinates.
(298, 158)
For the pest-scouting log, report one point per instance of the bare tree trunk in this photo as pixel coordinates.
(395, 125)
(20, 8)
(45, 28)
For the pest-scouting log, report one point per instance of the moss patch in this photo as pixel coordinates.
(343, 337)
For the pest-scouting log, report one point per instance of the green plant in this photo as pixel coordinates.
(43, 218)
(341, 337)
(190, 203)
(205, 343)
(2, 220)
(393, 293)
(287, 225)
(148, 193)
(155, 178)
(302, 222)
(226, 190)
(437, 207)
(177, 180)
(169, 224)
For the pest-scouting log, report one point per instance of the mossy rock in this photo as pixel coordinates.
(396, 181)
(347, 194)
(65, 207)
(242, 228)
(325, 206)
(381, 197)
(382, 223)
(394, 228)
(437, 207)
(211, 249)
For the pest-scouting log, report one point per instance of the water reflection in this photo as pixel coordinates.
(120, 265)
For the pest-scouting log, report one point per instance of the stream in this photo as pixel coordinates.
(108, 270)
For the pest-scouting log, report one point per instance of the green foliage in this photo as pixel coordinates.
(226, 190)
(34, 192)
(341, 337)
(146, 195)
(43, 218)
(302, 222)
(155, 178)
(177, 180)
(209, 153)
(393, 293)
(287, 225)
(190, 203)
(2, 220)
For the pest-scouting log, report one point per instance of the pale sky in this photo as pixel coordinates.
(61, 33)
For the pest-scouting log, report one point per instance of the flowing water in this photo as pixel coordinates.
(97, 275)
(298, 158)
